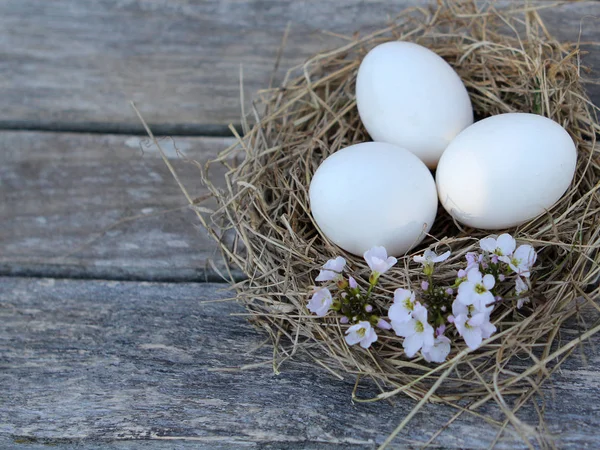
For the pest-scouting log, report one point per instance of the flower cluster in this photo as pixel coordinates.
(426, 315)
(351, 302)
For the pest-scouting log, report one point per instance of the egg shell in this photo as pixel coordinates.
(505, 170)
(409, 96)
(373, 194)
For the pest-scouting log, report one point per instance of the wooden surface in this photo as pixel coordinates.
(101, 206)
(108, 361)
(129, 364)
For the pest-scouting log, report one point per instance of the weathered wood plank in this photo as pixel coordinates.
(73, 65)
(89, 205)
(96, 362)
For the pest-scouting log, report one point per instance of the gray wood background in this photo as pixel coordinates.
(104, 338)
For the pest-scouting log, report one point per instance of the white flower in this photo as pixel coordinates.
(459, 308)
(438, 351)
(404, 304)
(474, 329)
(362, 333)
(320, 302)
(520, 288)
(476, 290)
(378, 260)
(522, 260)
(417, 332)
(332, 269)
(430, 257)
(504, 245)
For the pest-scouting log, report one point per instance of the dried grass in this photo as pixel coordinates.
(509, 62)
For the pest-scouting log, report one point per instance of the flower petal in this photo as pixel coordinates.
(520, 286)
(370, 337)
(353, 338)
(481, 301)
(375, 253)
(439, 351)
(506, 244)
(443, 257)
(474, 275)
(427, 336)
(487, 329)
(398, 313)
(400, 295)
(420, 313)
(412, 344)
(472, 337)
(489, 281)
(488, 244)
(404, 329)
(477, 320)
(459, 308)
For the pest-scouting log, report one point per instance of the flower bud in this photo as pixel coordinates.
(424, 285)
(449, 291)
(383, 325)
(368, 308)
(344, 320)
(352, 282)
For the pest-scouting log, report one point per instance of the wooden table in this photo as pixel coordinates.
(106, 337)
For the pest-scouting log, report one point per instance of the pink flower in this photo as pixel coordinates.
(438, 351)
(474, 329)
(403, 306)
(320, 302)
(504, 245)
(522, 260)
(362, 333)
(476, 290)
(473, 260)
(378, 260)
(332, 269)
(430, 257)
(417, 332)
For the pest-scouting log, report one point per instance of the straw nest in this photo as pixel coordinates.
(509, 63)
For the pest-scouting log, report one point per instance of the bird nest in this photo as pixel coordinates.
(509, 63)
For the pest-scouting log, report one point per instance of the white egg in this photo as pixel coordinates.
(409, 96)
(373, 194)
(505, 170)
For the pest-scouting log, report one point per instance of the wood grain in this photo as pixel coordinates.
(93, 206)
(71, 65)
(105, 362)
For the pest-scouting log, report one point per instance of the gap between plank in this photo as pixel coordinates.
(181, 129)
(68, 272)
